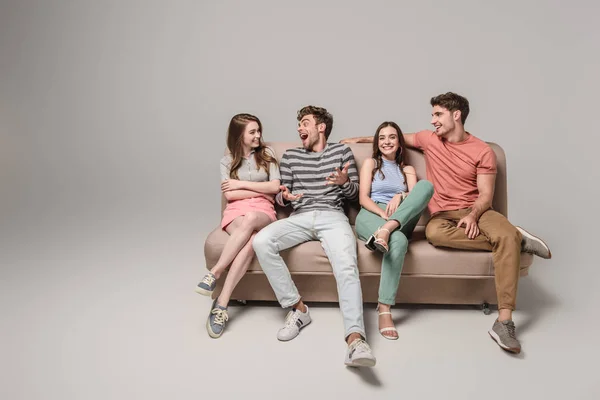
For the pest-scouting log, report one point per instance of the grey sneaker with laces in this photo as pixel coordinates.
(359, 354)
(215, 325)
(533, 244)
(294, 321)
(207, 285)
(503, 332)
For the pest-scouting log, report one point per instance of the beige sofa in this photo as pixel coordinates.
(430, 275)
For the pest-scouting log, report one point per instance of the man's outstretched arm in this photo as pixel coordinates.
(357, 139)
(409, 139)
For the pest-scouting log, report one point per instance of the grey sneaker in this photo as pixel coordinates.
(504, 334)
(294, 321)
(208, 284)
(215, 324)
(359, 354)
(533, 244)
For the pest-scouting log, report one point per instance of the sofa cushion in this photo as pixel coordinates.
(421, 259)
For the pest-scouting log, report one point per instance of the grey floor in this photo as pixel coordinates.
(116, 317)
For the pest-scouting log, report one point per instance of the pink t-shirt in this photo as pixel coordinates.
(453, 169)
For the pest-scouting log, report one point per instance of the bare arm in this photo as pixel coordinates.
(269, 187)
(409, 139)
(411, 176)
(358, 139)
(232, 195)
(485, 186)
(364, 190)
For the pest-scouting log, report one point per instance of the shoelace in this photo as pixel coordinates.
(510, 328)
(360, 344)
(363, 345)
(209, 279)
(220, 316)
(291, 319)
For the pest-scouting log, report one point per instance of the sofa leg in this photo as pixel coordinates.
(486, 308)
(242, 302)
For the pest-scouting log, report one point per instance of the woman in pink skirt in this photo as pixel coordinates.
(249, 181)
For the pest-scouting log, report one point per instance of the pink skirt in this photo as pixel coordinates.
(239, 208)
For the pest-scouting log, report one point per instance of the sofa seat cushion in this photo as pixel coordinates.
(421, 259)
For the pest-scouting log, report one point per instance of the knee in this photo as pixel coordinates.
(433, 233)
(261, 241)
(250, 220)
(426, 186)
(509, 237)
(398, 243)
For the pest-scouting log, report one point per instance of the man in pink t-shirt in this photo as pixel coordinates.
(462, 169)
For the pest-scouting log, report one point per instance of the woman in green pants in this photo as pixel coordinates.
(392, 202)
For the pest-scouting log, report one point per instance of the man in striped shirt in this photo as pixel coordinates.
(316, 180)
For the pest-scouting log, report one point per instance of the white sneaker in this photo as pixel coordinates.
(294, 321)
(359, 354)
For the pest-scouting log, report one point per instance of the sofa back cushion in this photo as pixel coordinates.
(362, 151)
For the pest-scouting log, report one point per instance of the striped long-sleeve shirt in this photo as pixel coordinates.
(304, 171)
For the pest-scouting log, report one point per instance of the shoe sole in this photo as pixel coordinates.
(361, 362)
(535, 238)
(389, 337)
(369, 243)
(204, 292)
(381, 248)
(496, 338)
(293, 337)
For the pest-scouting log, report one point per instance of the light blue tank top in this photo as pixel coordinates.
(383, 190)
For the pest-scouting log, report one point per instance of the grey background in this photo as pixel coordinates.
(113, 119)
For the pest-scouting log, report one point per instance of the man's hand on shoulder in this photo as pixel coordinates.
(358, 139)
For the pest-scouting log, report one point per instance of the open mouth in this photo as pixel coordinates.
(303, 136)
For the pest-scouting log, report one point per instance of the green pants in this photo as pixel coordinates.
(407, 214)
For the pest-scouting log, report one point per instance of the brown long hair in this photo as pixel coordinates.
(235, 135)
(399, 153)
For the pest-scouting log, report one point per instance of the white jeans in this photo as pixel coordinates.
(332, 229)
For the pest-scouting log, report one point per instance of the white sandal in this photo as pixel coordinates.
(379, 243)
(388, 329)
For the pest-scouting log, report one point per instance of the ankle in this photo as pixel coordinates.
(352, 337)
(391, 226)
(504, 315)
(384, 307)
(300, 306)
(216, 272)
(382, 233)
(221, 303)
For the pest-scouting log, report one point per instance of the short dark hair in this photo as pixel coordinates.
(452, 102)
(321, 115)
